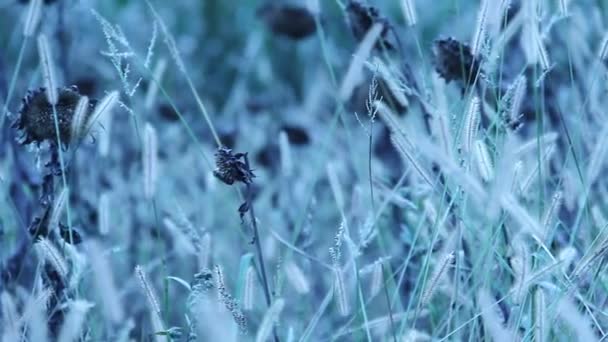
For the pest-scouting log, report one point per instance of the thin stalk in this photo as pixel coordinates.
(362, 304)
(11, 87)
(204, 111)
(388, 303)
(258, 246)
(63, 176)
(166, 299)
(369, 167)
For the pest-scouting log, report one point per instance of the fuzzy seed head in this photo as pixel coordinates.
(81, 113)
(48, 69)
(543, 56)
(228, 300)
(430, 287)
(104, 108)
(471, 125)
(480, 30)
(48, 253)
(484, 161)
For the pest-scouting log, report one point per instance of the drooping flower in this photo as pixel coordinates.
(454, 60)
(287, 20)
(36, 119)
(230, 168)
(361, 18)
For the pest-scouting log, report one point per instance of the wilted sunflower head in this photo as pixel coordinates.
(288, 20)
(230, 168)
(454, 60)
(35, 117)
(46, 2)
(360, 18)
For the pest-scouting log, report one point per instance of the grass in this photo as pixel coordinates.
(370, 217)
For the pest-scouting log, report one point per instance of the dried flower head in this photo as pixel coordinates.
(46, 2)
(230, 168)
(35, 117)
(454, 60)
(361, 18)
(287, 20)
(71, 235)
(296, 135)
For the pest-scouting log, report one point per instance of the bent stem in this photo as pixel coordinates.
(258, 245)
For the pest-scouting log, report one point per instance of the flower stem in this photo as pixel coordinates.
(258, 245)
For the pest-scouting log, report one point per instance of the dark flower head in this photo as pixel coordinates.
(74, 236)
(46, 2)
(39, 227)
(230, 168)
(361, 18)
(296, 135)
(292, 21)
(35, 118)
(454, 60)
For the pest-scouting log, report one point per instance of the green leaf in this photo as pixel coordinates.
(246, 261)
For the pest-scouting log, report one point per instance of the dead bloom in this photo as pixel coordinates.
(230, 168)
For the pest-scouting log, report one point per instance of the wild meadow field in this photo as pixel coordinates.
(303, 170)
